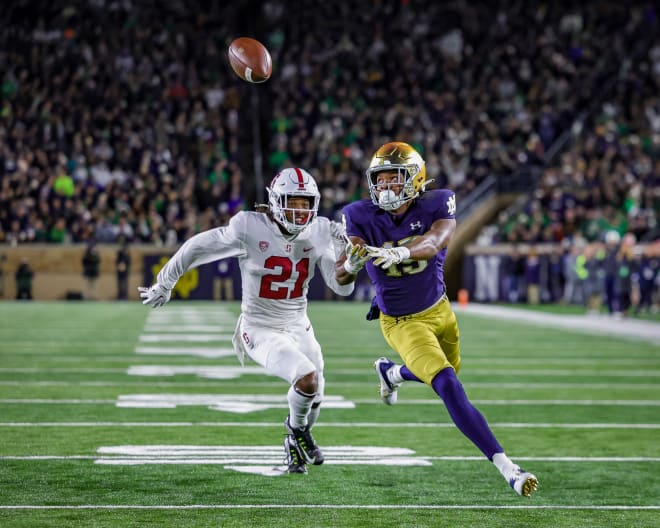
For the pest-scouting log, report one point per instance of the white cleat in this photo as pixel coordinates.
(523, 482)
(388, 390)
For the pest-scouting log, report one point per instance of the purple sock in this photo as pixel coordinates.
(407, 375)
(466, 417)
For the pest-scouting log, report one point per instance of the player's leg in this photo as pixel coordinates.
(303, 336)
(429, 344)
(278, 352)
(466, 416)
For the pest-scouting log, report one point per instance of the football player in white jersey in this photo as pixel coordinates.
(278, 250)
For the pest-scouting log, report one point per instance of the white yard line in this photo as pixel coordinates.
(373, 425)
(371, 401)
(351, 384)
(493, 372)
(328, 507)
(632, 460)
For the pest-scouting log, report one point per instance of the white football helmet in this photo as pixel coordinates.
(290, 183)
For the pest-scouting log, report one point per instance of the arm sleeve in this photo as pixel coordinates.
(214, 244)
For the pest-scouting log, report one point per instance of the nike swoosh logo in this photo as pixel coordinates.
(305, 250)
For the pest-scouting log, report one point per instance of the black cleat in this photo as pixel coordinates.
(293, 457)
(304, 441)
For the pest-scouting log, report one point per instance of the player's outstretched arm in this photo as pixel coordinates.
(422, 248)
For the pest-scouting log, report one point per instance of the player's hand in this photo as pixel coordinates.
(155, 295)
(338, 231)
(356, 257)
(385, 257)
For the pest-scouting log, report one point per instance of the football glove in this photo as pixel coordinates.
(155, 296)
(339, 238)
(385, 257)
(338, 231)
(356, 257)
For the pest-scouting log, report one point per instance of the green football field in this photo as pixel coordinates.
(117, 415)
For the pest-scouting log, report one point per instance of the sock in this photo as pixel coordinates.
(400, 373)
(299, 405)
(466, 417)
(407, 375)
(505, 465)
(313, 413)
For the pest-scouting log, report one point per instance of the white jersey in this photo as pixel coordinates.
(275, 271)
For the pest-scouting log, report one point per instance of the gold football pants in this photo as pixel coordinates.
(428, 341)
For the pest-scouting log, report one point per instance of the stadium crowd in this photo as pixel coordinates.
(122, 121)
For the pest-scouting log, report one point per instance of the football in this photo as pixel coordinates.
(250, 60)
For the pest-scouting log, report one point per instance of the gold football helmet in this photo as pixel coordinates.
(400, 157)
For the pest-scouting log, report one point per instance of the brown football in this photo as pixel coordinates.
(250, 60)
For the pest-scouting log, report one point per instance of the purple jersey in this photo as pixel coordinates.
(414, 285)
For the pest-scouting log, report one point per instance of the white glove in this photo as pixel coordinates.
(356, 257)
(337, 231)
(155, 296)
(385, 257)
(339, 238)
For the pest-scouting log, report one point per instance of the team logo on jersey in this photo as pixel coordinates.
(263, 245)
(288, 248)
(451, 204)
(414, 226)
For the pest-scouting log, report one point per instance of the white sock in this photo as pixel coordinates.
(394, 375)
(313, 415)
(505, 465)
(299, 405)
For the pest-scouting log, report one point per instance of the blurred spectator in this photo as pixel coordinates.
(513, 269)
(625, 269)
(3, 259)
(24, 276)
(223, 283)
(533, 276)
(91, 263)
(594, 283)
(611, 269)
(123, 269)
(648, 279)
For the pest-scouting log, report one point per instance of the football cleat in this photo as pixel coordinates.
(523, 483)
(294, 459)
(304, 441)
(388, 390)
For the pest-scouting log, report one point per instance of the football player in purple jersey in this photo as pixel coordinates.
(401, 236)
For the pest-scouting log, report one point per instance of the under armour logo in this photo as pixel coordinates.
(451, 204)
(415, 225)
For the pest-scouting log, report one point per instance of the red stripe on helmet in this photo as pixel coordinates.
(301, 181)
